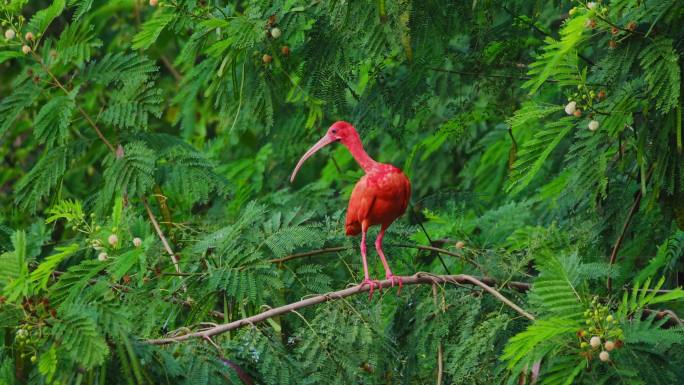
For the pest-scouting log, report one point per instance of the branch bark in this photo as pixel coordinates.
(417, 279)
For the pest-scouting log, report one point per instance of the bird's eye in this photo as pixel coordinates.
(334, 131)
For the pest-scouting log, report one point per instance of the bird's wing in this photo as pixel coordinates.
(380, 197)
(392, 186)
(360, 203)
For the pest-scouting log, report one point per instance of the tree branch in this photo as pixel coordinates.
(417, 279)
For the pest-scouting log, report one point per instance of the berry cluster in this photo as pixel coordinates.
(29, 335)
(273, 32)
(600, 12)
(587, 96)
(603, 334)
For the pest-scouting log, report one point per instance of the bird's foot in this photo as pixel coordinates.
(372, 284)
(396, 280)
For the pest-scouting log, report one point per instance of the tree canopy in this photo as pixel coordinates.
(149, 233)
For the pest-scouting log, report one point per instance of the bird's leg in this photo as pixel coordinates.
(388, 272)
(366, 279)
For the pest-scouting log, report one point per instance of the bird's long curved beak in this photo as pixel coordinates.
(325, 140)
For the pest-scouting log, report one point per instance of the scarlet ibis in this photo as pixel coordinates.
(379, 197)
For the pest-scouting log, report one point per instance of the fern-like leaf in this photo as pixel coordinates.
(76, 43)
(151, 29)
(660, 63)
(534, 152)
(42, 178)
(53, 119)
(42, 19)
(132, 174)
(79, 337)
(557, 53)
(12, 106)
(537, 341)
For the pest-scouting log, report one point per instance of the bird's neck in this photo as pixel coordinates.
(356, 149)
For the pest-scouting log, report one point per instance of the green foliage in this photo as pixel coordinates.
(52, 121)
(662, 72)
(131, 174)
(42, 179)
(130, 131)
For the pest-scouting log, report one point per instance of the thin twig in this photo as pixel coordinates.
(544, 33)
(660, 314)
(403, 245)
(80, 109)
(174, 259)
(440, 353)
(309, 254)
(441, 251)
(169, 66)
(417, 279)
(630, 215)
(480, 74)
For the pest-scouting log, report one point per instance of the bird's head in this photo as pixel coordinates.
(340, 131)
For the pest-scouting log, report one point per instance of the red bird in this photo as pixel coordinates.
(379, 197)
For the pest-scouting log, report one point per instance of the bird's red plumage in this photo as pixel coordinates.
(379, 197)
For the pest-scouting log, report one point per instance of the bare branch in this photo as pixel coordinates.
(417, 279)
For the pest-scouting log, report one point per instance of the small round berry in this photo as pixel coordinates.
(584, 345)
(113, 239)
(572, 11)
(460, 244)
(591, 5)
(153, 3)
(29, 36)
(34, 358)
(266, 58)
(577, 113)
(609, 318)
(593, 125)
(570, 108)
(609, 345)
(137, 242)
(601, 95)
(102, 257)
(604, 356)
(285, 50)
(25, 49)
(632, 26)
(591, 24)
(275, 32)
(595, 342)
(10, 34)
(612, 44)
(614, 31)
